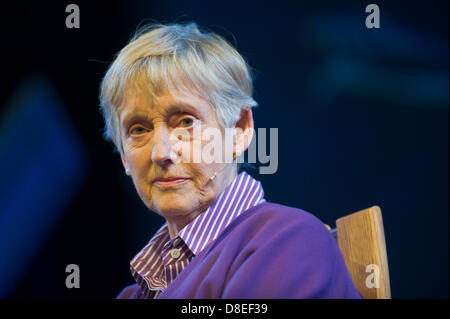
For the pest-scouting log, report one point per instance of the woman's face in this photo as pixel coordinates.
(162, 166)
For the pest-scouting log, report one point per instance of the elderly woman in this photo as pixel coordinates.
(221, 238)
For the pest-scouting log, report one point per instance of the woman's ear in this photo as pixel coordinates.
(125, 164)
(124, 161)
(244, 130)
(122, 157)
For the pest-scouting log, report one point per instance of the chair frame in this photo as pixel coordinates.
(360, 237)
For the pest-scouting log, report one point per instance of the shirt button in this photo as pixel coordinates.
(176, 242)
(175, 253)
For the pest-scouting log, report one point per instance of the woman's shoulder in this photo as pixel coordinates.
(129, 292)
(270, 222)
(277, 215)
(272, 239)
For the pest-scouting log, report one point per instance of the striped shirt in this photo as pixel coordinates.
(163, 258)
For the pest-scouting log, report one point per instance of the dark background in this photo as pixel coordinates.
(362, 116)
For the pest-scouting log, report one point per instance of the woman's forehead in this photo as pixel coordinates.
(137, 101)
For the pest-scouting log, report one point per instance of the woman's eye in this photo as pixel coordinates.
(186, 122)
(138, 130)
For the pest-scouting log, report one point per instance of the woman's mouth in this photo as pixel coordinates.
(170, 182)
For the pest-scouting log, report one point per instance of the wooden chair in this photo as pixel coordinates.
(360, 237)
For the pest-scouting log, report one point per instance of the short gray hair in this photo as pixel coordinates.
(178, 58)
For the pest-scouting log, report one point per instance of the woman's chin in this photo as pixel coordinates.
(172, 205)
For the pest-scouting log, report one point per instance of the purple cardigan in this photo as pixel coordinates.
(270, 251)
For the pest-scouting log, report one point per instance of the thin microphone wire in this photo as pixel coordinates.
(213, 176)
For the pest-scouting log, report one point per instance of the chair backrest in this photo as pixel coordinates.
(360, 237)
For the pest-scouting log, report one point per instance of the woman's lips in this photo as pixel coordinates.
(170, 182)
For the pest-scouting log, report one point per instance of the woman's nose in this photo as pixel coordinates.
(161, 152)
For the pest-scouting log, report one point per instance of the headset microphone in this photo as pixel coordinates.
(213, 176)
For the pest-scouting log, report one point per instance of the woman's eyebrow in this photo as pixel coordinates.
(181, 107)
(173, 109)
(135, 117)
